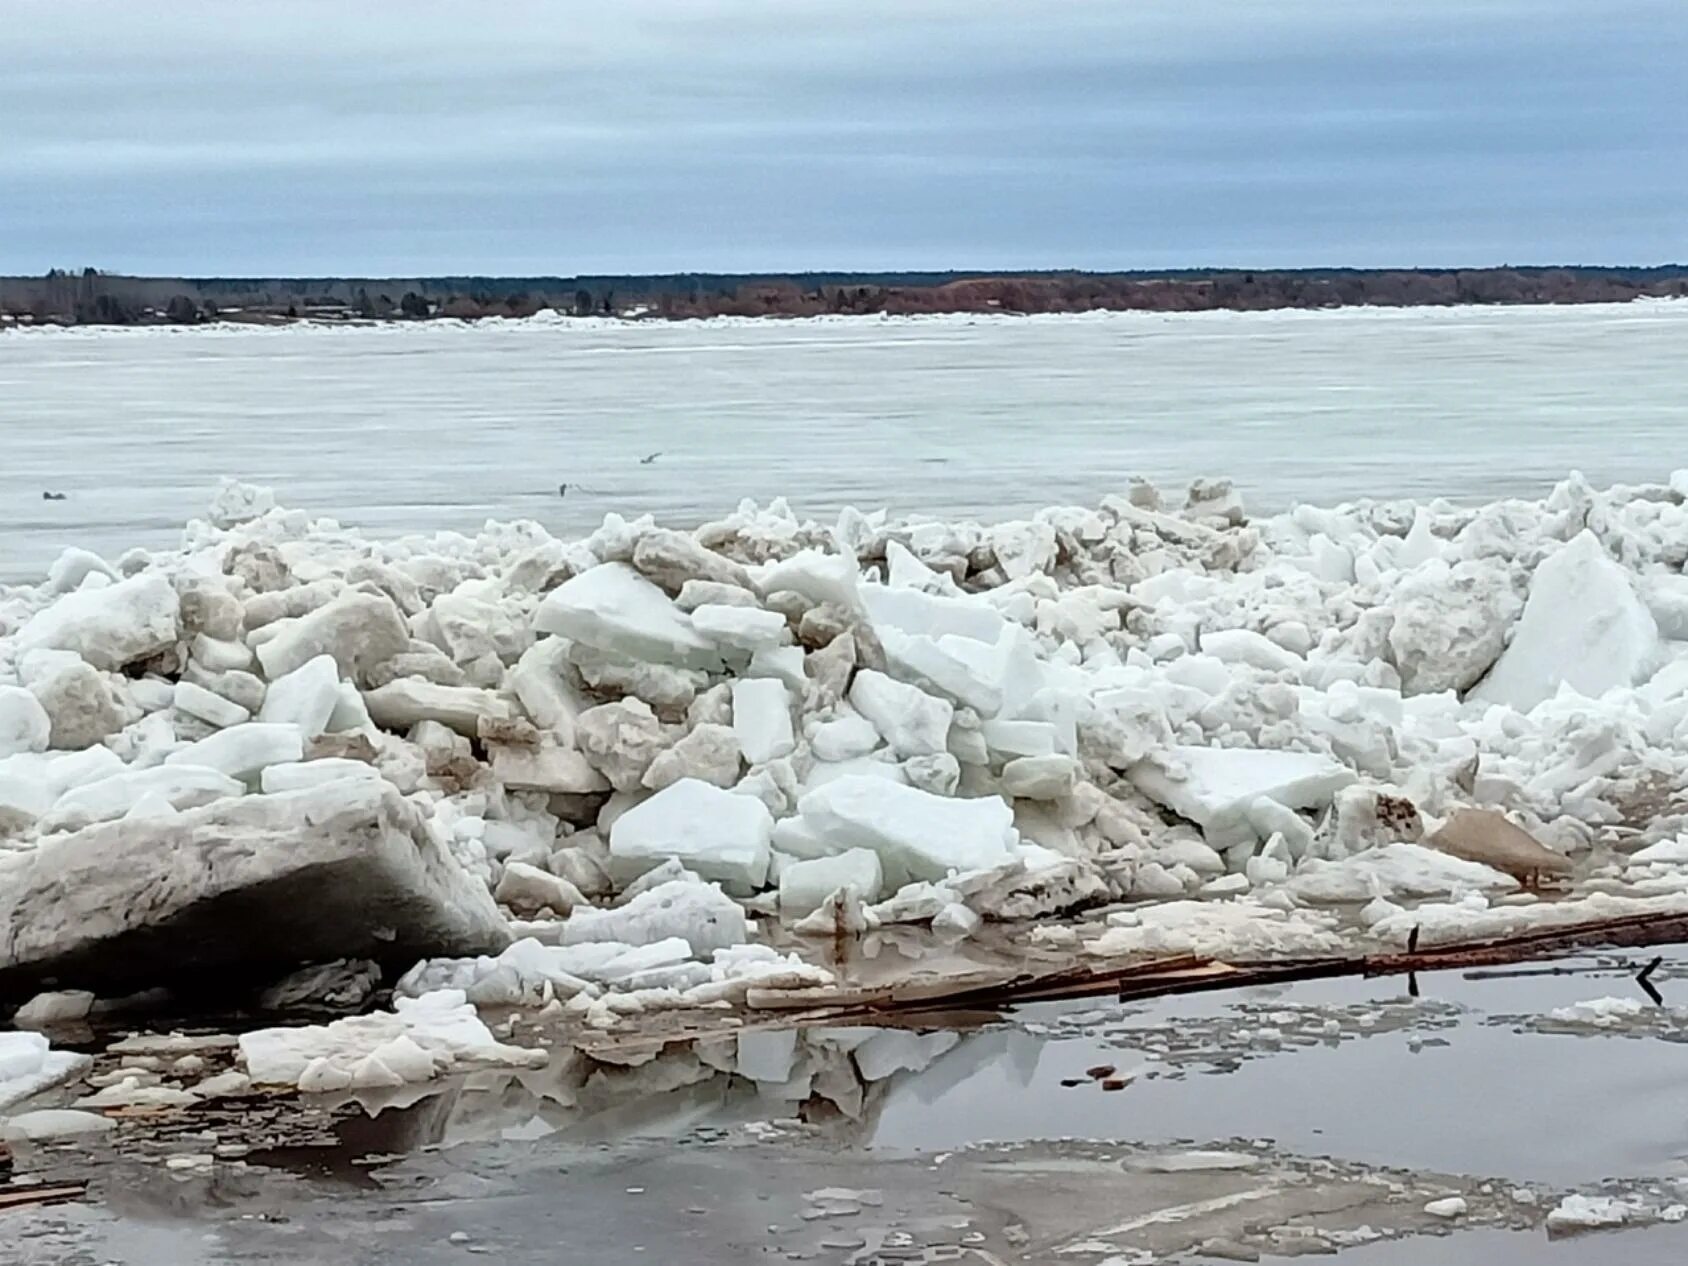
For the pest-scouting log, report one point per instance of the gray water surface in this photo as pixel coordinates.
(439, 425)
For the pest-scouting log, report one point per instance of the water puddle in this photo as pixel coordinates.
(1470, 1076)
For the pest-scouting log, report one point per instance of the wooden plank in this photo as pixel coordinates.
(34, 1197)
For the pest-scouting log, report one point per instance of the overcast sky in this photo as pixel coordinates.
(374, 137)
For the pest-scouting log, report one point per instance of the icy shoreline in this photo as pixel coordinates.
(1153, 728)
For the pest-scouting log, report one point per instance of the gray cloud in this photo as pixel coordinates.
(654, 135)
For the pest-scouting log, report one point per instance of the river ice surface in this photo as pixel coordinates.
(442, 425)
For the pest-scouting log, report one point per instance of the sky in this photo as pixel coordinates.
(412, 137)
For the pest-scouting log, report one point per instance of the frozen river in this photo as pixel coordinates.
(433, 426)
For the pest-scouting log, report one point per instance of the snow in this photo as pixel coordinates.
(714, 833)
(1583, 627)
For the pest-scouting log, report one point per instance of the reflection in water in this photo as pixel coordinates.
(1349, 1068)
(837, 1081)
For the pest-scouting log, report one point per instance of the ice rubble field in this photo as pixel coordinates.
(590, 776)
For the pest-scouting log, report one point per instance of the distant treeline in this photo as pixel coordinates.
(91, 297)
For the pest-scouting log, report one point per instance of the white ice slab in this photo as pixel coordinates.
(1583, 626)
(713, 833)
(616, 609)
(1219, 784)
(918, 836)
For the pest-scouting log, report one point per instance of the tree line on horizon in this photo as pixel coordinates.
(91, 297)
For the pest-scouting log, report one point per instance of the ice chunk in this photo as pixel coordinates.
(805, 885)
(956, 922)
(74, 566)
(1600, 1013)
(674, 560)
(558, 770)
(111, 626)
(360, 630)
(616, 609)
(914, 612)
(1587, 1213)
(1219, 784)
(77, 697)
(47, 1009)
(918, 836)
(21, 1054)
(1394, 870)
(24, 723)
(739, 628)
(762, 719)
(622, 740)
(818, 576)
(209, 707)
(1450, 623)
(527, 889)
(300, 775)
(843, 739)
(939, 774)
(1241, 646)
(767, 1054)
(183, 785)
(714, 833)
(912, 721)
(304, 697)
(242, 751)
(929, 663)
(237, 889)
(696, 593)
(1019, 738)
(1583, 626)
(709, 752)
(1039, 777)
(700, 914)
(54, 1123)
(420, 1038)
(401, 704)
(540, 681)
(787, 663)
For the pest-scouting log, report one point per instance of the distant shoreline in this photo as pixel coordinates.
(108, 299)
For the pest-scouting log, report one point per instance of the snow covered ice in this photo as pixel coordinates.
(608, 769)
